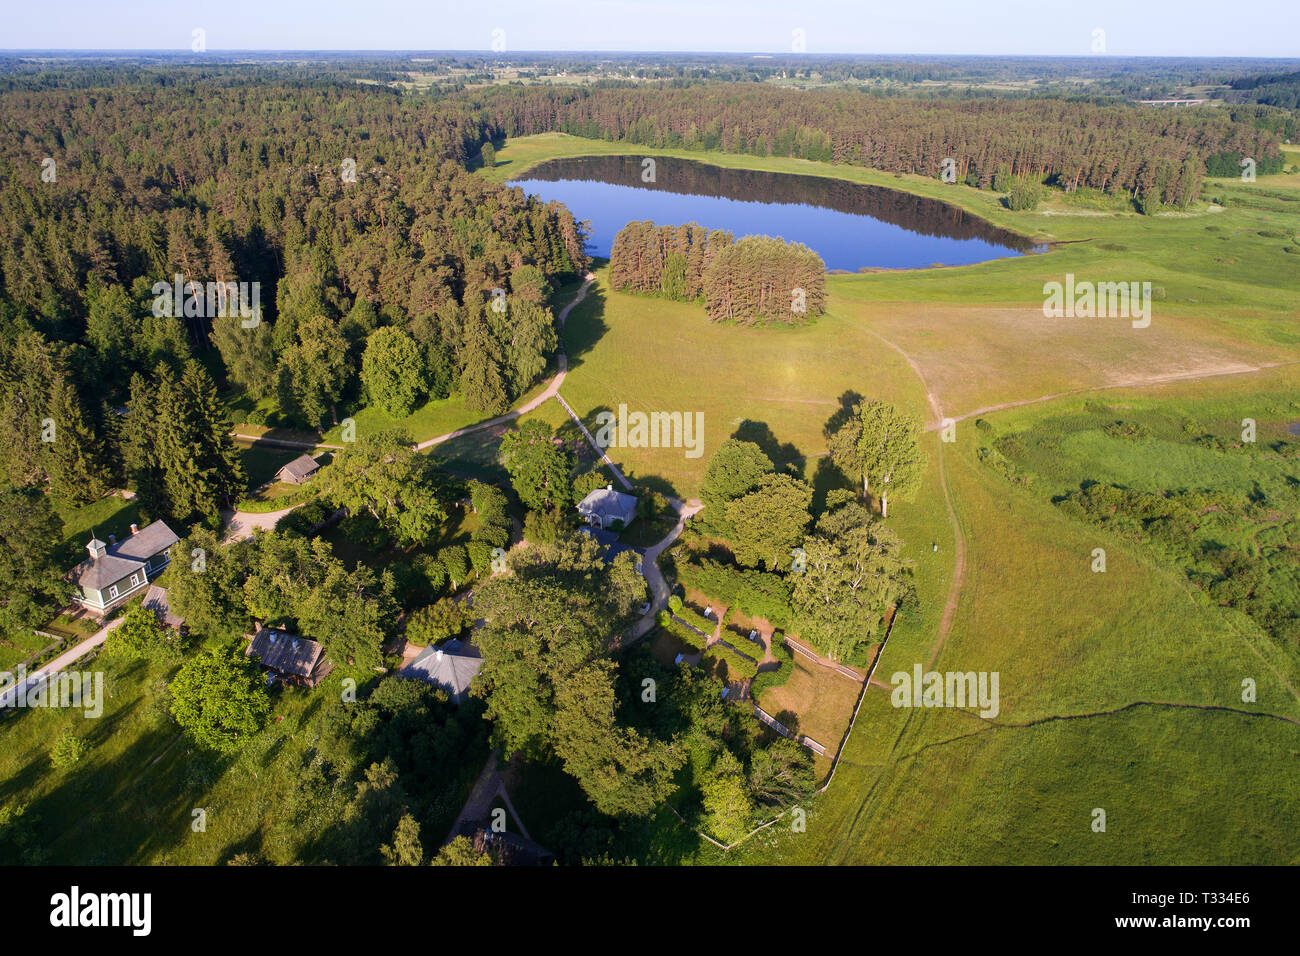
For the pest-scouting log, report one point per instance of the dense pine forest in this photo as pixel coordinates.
(1154, 157)
(350, 207)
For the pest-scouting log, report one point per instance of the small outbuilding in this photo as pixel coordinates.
(300, 470)
(291, 659)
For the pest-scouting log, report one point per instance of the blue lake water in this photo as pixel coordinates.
(850, 225)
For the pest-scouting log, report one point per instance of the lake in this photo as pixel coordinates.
(850, 225)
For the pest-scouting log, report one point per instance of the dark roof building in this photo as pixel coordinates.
(607, 508)
(296, 660)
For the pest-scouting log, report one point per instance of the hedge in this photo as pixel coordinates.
(777, 678)
(738, 665)
(742, 643)
(695, 619)
(757, 593)
(680, 631)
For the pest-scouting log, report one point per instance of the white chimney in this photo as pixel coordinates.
(438, 655)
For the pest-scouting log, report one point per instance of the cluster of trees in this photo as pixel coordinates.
(664, 260)
(1155, 155)
(176, 447)
(875, 441)
(31, 574)
(172, 442)
(831, 578)
(284, 579)
(547, 678)
(755, 281)
(760, 280)
(737, 772)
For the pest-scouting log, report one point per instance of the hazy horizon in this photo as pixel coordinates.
(1198, 29)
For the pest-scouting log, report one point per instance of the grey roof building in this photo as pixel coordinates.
(117, 570)
(450, 666)
(607, 508)
(298, 470)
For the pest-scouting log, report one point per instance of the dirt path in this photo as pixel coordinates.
(958, 568)
(70, 656)
(959, 539)
(1216, 372)
(654, 577)
(242, 524)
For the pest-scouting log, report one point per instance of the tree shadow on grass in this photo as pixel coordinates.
(827, 478)
(760, 433)
(840, 417)
(584, 326)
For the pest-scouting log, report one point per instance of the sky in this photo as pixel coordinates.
(1264, 28)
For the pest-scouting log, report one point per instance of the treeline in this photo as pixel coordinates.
(1155, 155)
(1271, 89)
(755, 281)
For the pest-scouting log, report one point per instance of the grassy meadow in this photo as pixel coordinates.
(1119, 691)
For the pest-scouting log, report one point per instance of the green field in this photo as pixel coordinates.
(1106, 680)
(1119, 691)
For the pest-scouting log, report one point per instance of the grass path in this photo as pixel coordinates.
(1218, 372)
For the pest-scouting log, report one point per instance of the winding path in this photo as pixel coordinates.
(654, 577)
(552, 389)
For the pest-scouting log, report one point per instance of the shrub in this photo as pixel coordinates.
(742, 643)
(301, 521)
(680, 631)
(695, 619)
(757, 593)
(738, 665)
(776, 678)
(1023, 196)
(67, 750)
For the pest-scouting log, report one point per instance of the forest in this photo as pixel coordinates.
(387, 273)
(1157, 157)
